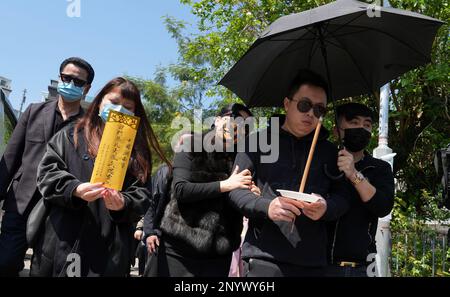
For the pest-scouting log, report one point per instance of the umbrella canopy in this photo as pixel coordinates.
(355, 50)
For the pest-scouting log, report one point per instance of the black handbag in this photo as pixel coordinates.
(36, 222)
(151, 265)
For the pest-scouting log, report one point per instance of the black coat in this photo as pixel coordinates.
(160, 185)
(266, 239)
(199, 220)
(105, 237)
(352, 237)
(25, 149)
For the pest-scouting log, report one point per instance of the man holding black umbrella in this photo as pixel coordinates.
(271, 247)
(352, 237)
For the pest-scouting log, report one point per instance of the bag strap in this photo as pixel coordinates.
(77, 242)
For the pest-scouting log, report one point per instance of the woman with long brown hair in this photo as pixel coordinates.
(89, 228)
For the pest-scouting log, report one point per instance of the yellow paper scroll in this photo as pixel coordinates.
(115, 150)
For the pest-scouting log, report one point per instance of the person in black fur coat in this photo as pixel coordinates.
(200, 229)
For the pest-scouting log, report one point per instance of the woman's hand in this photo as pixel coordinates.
(152, 243)
(89, 192)
(138, 234)
(255, 190)
(237, 180)
(113, 199)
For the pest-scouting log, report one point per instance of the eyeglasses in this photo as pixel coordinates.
(231, 114)
(305, 105)
(241, 126)
(76, 81)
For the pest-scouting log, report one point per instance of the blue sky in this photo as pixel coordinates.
(116, 36)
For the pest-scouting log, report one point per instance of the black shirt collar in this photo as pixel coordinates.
(79, 113)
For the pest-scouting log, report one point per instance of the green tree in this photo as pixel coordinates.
(419, 122)
(226, 29)
(161, 108)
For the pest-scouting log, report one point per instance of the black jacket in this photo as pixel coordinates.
(199, 220)
(160, 196)
(105, 237)
(352, 237)
(25, 149)
(265, 239)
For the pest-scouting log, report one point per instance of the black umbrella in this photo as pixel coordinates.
(356, 50)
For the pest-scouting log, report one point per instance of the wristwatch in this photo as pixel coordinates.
(358, 177)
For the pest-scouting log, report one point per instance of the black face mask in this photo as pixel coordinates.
(356, 139)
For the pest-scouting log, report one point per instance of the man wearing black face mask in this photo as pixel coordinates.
(371, 183)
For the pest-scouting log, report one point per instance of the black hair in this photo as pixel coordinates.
(353, 110)
(306, 76)
(281, 117)
(79, 63)
(233, 110)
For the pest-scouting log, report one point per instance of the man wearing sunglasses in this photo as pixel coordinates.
(27, 145)
(273, 247)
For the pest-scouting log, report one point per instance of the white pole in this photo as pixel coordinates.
(2, 125)
(384, 152)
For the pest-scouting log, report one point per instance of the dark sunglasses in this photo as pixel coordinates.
(76, 81)
(305, 105)
(234, 116)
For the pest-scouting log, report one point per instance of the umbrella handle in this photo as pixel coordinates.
(309, 161)
(310, 156)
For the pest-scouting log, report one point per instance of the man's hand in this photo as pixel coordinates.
(113, 199)
(346, 163)
(315, 210)
(282, 210)
(152, 243)
(89, 192)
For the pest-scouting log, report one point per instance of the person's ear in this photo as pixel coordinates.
(335, 132)
(339, 132)
(286, 104)
(86, 89)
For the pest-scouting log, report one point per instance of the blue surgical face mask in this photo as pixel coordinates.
(70, 92)
(105, 111)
